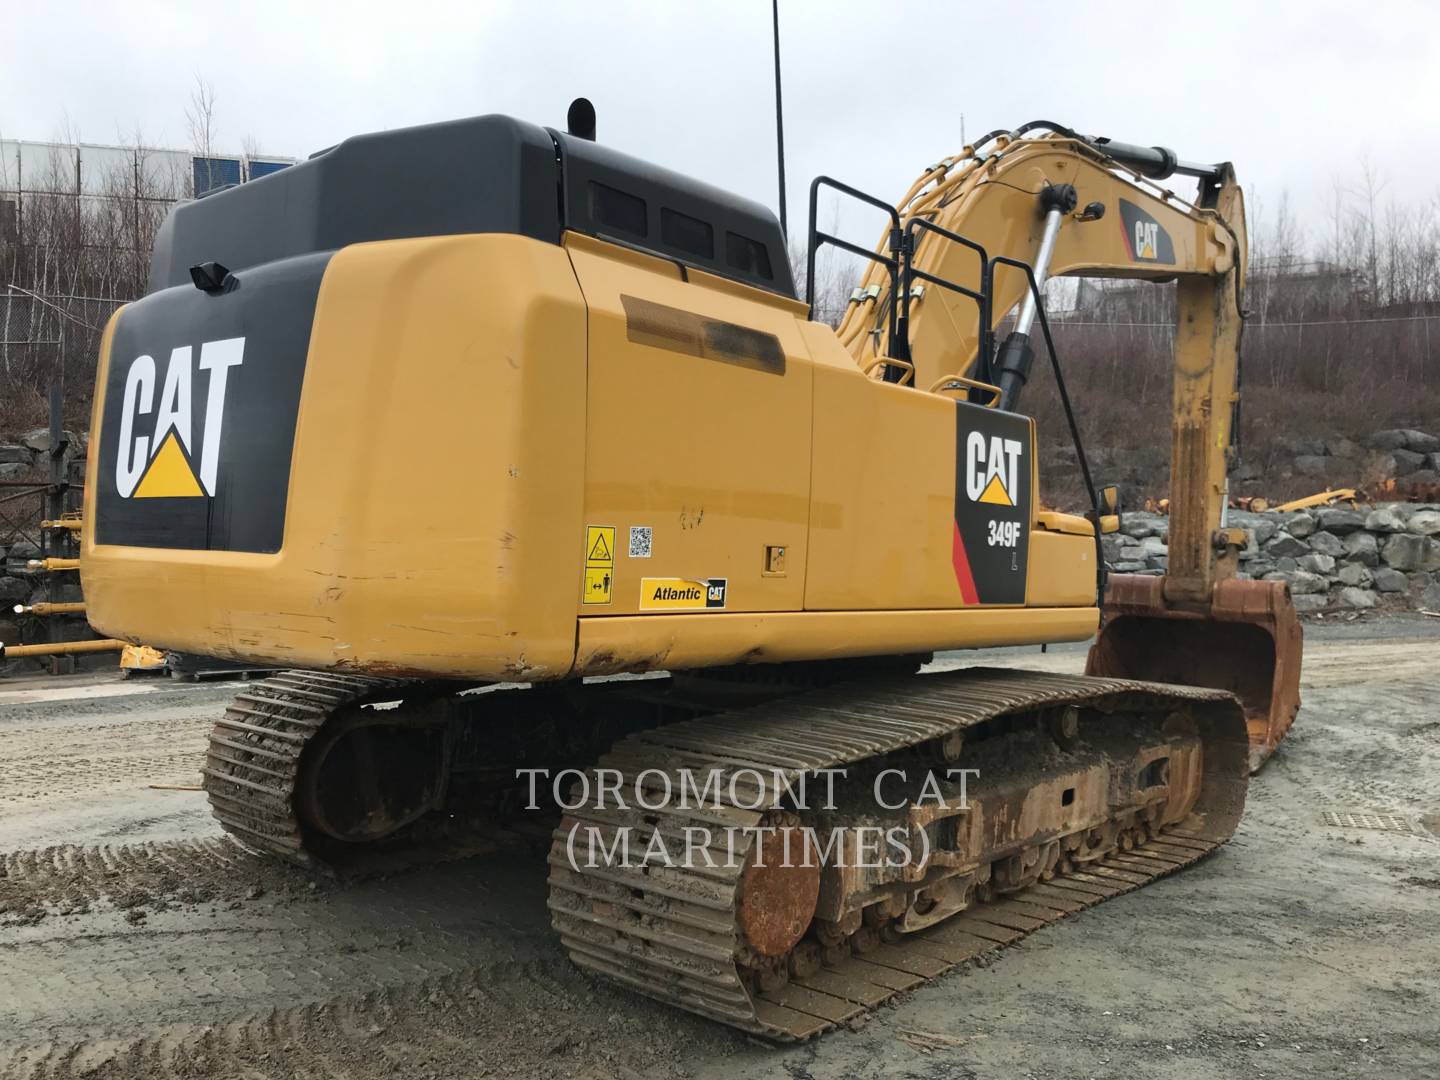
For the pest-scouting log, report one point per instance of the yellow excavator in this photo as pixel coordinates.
(522, 458)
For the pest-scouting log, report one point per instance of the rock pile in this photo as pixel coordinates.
(1331, 557)
(28, 456)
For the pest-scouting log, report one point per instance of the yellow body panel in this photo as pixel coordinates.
(712, 456)
(882, 510)
(436, 486)
(478, 411)
(644, 643)
(1062, 569)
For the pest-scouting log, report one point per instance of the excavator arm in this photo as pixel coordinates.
(1069, 205)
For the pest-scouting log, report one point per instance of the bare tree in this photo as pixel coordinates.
(200, 122)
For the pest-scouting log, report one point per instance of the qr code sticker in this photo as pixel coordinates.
(640, 541)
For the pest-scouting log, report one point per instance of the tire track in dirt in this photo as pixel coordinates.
(479, 1021)
(51, 756)
(69, 879)
(448, 968)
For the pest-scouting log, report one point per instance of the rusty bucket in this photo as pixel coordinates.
(1248, 642)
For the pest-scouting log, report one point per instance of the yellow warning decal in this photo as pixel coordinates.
(682, 594)
(599, 564)
(995, 493)
(169, 475)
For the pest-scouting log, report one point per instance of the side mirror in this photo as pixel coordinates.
(1110, 508)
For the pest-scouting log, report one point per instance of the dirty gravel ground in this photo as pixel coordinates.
(135, 941)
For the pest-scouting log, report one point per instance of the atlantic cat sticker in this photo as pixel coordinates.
(1145, 240)
(202, 393)
(682, 594)
(990, 543)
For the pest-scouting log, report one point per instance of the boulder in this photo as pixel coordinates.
(1378, 466)
(1356, 598)
(1430, 598)
(1423, 478)
(1300, 524)
(16, 455)
(1392, 439)
(1339, 521)
(61, 588)
(1420, 442)
(39, 441)
(1327, 544)
(1138, 524)
(1384, 520)
(1432, 462)
(1301, 581)
(1314, 464)
(1308, 602)
(1286, 546)
(1342, 448)
(1361, 547)
(1405, 551)
(1388, 580)
(1245, 471)
(1154, 545)
(1317, 563)
(1263, 529)
(1407, 461)
(1260, 567)
(20, 554)
(14, 470)
(13, 590)
(1110, 545)
(1424, 522)
(1128, 567)
(1354, 574)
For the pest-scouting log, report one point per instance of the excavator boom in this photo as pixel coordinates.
(1094, 208)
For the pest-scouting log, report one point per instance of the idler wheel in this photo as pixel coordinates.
(778, 895)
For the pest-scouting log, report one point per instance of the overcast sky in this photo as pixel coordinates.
(1297, 94)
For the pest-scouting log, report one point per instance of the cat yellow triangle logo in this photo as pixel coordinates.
(995, 493)
(169, 475)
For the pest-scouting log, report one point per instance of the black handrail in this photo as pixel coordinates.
(892, 264)
(985, 343)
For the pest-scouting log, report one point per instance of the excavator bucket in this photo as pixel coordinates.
(1247, 642)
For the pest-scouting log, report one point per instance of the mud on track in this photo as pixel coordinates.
(1300, 949)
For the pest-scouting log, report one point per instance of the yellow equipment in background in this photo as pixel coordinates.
(408, 437)
(141, 658)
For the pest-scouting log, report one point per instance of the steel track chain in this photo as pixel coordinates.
(671, 932)
(252, 764)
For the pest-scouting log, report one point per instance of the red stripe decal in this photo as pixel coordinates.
(961, 562)
(1125, 235)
